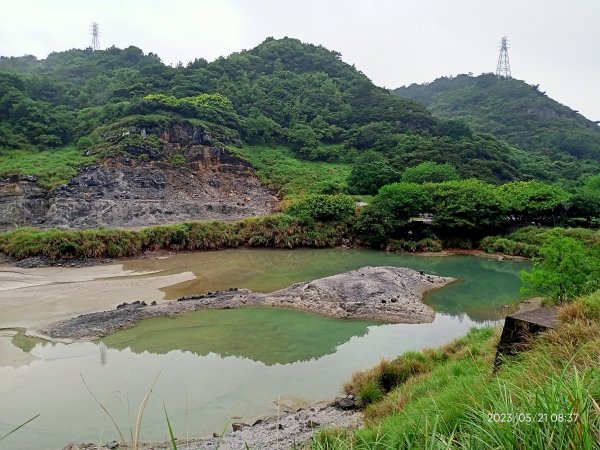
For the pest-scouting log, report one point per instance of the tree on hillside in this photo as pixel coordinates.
(370, 172)
(455, 128)
(430, 172)
(511, 110)
(283, 92)
(534, 202)
(564, 271)
(381, 136)
(466, 208)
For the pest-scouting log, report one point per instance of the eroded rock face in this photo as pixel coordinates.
(138, 194)
(211, 183)
(22, 202)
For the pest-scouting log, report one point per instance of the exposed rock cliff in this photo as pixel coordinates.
(204, 182)
(22, 202)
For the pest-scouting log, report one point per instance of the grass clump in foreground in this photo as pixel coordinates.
(277, 168)
(546, 398)
(275, 231)
(51, 167)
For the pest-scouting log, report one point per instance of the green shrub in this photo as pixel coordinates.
(401, 245)
(429, 245)
(430, 172)
(496, 244)
(566, 269)
(177, 160)
(591, 306)
(322, 208)
(462, 243)
(69, 248)
(423, 245)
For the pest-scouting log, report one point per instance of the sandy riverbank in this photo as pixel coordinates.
(38, 296)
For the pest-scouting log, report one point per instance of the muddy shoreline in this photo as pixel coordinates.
(44, 261)
(389, 294)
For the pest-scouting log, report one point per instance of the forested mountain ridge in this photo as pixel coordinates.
(278, 85)
(512, 110)
(119, 102)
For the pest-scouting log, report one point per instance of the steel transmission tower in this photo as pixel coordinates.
(95, 36)
(503, 68)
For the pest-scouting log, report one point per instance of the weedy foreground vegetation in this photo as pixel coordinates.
(455, 397)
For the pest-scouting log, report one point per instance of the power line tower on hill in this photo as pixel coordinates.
(95, 36)
(503, 68)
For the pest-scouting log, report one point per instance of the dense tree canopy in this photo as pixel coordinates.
(511, 110)
(467, 207)
(430, 172)
(371, 172)
(534, 202)
(283, 92)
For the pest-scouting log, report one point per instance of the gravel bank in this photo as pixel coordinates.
(288, 431)
(283, 432)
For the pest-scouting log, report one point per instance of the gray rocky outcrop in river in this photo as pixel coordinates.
(391, 294)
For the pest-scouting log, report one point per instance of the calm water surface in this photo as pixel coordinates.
(483, 288)
(217, 366)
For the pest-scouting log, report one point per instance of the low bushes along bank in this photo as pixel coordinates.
(307, 221)
(276, 231)
(527, 241)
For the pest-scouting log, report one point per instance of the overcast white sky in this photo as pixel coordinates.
(554, 43)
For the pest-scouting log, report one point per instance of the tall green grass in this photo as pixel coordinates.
(546, 398)
(51, 167)
(279, 169)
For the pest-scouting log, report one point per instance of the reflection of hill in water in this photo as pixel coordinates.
(271, 336)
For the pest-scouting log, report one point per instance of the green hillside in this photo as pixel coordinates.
(282, 89)
(283, 94)
(512, 110)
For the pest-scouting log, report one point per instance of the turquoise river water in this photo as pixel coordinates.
(215, 367)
